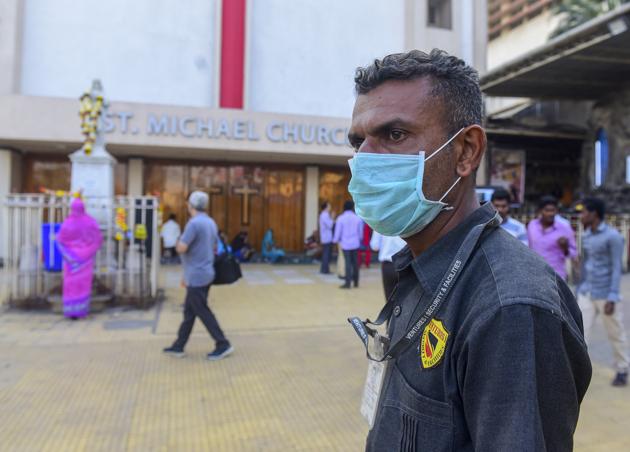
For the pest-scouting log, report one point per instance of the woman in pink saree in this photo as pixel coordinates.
(79, 239)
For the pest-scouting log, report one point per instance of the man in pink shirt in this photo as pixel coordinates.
(552, 239)
(348, 233)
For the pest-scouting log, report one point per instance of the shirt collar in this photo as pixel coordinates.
(601, 228)
(542, 228)
(430, 266)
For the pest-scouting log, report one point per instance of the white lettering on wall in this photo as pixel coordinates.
(155, 127)
(223, 129)
(271, 134)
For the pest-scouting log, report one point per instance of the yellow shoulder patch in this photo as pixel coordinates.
(433, 344)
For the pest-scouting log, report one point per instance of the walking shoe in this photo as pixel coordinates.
(344, 286)
(174, 351)
(621, 379)
(220, 352)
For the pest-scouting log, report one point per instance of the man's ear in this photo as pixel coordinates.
(473, 144)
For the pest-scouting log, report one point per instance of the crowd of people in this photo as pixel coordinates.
(596, 272)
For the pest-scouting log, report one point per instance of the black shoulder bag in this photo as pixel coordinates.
(227, 270)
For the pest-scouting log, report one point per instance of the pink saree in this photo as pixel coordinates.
(79, 239)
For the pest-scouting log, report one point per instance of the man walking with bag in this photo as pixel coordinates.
(196, 247)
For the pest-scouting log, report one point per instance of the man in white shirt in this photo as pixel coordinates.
(387, 247)
(170, 233)
(326, 226)
(501, 202)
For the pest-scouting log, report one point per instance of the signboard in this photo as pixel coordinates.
(244, 129)
(508, 171)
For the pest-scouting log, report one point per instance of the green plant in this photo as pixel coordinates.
(577, 12)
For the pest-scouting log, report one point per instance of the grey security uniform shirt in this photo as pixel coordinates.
(514, 369)
(601, 267)
(201, 236)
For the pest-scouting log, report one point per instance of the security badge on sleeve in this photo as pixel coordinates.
(433, 344)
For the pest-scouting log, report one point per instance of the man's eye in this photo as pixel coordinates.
(396, 135)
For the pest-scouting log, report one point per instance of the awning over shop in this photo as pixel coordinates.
(586, 63)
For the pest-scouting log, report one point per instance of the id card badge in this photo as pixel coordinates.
(373, 382)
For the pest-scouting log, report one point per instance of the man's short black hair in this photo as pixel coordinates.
(500, 194)
(348, 205)
(324, 205)
(455, 83)
(595, 205)
(547, 200)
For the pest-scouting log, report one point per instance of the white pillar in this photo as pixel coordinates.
(11, 16)
(135, 177)
(10, 182)
(467, 33)
(311, 204)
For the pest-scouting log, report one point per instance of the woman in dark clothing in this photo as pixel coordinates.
(241, 247)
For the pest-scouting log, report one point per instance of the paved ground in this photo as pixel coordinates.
(294, 382)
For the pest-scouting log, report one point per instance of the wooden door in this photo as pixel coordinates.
(333, 187)
(284, 202)
(168, 181)
(214, 181)
(245, 210)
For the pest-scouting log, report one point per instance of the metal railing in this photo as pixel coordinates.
(126, 267)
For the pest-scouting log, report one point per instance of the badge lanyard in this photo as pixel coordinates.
(441, 294)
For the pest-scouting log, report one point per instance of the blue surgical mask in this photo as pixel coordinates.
(387, 192)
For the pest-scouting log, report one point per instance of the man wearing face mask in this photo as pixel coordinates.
(484, 348)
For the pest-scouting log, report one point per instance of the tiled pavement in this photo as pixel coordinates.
(294, 382)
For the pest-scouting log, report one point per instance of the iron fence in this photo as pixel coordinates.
(126, 266)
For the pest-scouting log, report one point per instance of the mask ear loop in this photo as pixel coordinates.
(448, 191)
(444, 145)
(458, 179)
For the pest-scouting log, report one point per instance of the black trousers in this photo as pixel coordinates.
(352, 267)
(196, 305)
(326, 253)
(390, 278)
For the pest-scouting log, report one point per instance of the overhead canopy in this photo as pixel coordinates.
(588, 62)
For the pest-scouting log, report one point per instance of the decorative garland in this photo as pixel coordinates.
(90, 112)
(121, 223)
(60, 193)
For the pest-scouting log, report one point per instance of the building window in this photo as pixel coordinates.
(439, 13)
(601, 157)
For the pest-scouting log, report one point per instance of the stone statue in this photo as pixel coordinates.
(92, 165)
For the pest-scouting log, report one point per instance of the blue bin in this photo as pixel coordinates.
(52, 256)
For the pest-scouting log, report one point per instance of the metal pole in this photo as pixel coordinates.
(155, 258)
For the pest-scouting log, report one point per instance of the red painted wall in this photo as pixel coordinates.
(232, 53)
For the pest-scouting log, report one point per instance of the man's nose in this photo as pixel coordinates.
(369, 146)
